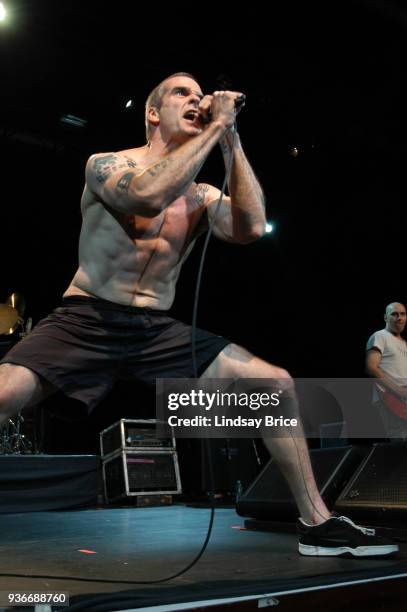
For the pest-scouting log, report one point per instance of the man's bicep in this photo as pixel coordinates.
(100, 168)
(373, 358)
(108, 176)
(220, 215)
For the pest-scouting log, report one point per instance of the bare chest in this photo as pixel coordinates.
(177, 224)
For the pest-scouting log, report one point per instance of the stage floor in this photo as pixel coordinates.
(146, 544)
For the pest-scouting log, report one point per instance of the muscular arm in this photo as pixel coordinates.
(242, 215)
(373, 369)
(148, 192)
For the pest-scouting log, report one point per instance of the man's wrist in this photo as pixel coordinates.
(230, 141)
(218, 127)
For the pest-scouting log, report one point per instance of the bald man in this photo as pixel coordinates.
(386, 359)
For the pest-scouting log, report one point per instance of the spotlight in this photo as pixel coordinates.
(73, 120)
(129, 103)
(2, 12)
(269, 227)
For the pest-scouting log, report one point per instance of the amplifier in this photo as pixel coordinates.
(130, 434)
(269, 498)
(378, 489)
(137, 472)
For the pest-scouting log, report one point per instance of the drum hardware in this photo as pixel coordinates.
(13, 327)
(12, 441)
(12, 316)
(9, 319)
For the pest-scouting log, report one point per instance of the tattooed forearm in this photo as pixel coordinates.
(200, 194)
(157, 168)
(124, 183)
(106, 165)
(224, 147)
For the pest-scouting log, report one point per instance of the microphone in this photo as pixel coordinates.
(239, 102)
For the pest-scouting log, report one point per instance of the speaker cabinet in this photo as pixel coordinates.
(378, 489)
(132, 473)
(132, 434)
(269, 498)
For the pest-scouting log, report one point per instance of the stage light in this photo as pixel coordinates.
(269, 227)
(73, 120)
(129, 103)
(2, 12)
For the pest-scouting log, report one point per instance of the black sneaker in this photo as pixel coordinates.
(340, 536)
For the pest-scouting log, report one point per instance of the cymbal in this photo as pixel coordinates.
(16, 300)
(9, 319)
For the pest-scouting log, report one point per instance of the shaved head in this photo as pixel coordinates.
(394, 306)
(395, 317)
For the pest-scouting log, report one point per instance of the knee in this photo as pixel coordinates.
(284, 380)
(281, 374)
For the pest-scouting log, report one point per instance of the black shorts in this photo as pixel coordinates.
(87, 344)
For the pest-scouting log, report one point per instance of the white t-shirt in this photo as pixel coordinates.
(394, 354)
(394, 363)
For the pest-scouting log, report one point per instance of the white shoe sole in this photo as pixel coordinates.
(360, 551)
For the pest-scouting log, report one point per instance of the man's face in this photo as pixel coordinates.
(395, 318)
(178, 113)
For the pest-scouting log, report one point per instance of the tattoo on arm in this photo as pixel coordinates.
(224, 147)
(106, 165)
(124, 183)
(200, 194)
(157, 168)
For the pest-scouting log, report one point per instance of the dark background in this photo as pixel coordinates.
(325, 77)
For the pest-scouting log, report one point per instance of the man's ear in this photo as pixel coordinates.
(153, 115)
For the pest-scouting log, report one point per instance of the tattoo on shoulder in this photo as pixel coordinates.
(124, 183)
(200, 194)
(157, 168)
(105, 165)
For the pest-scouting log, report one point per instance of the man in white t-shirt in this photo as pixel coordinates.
(386, 359)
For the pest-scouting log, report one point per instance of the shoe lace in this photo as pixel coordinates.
(364, 530)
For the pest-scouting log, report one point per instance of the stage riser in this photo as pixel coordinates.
(35, 483)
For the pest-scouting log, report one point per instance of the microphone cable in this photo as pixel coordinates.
(193, 335)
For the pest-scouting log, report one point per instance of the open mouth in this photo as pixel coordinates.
(191, 115)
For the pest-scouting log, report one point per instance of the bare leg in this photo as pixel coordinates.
(20, 388)
(291, 454)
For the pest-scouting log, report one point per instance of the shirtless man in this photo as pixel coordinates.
(142, 212)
